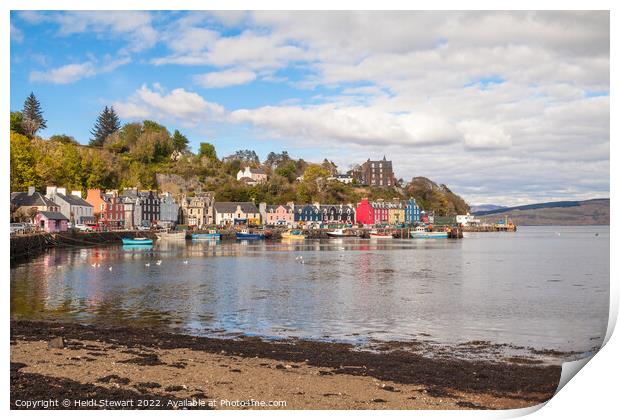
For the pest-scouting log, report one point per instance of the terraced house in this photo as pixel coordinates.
(198, 209)
(72, 206)
(26, 204)
(236, 213)
(108, 208)
(277, 215)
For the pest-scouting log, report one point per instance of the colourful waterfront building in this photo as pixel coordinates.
(396, 213)
(412, 212)
(278, 214)
(108, 208)
(51, 221)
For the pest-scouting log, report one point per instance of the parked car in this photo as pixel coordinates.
(18, 228)
(83, 228)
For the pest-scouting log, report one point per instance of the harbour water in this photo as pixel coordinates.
(538, 288)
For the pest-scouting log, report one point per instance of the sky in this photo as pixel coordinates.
(505, 108)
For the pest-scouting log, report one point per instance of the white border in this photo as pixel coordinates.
(593, 394)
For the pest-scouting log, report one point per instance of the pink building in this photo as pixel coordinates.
(51, 221)
(279, 215)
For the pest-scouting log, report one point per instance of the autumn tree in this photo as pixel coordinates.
(16, 122)
(107, 123)
(32, 116)
(23, 160)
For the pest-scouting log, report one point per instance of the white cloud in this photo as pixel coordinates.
(188, 108)
(481, 135)
(225, 78)
(70, 73)
(16, 34)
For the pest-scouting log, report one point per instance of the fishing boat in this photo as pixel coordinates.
(212, 235)
(177, 236)
(294, 235)
(245, 234)
(340, 233)
(380, 235)
(420, 232)
(137, 241)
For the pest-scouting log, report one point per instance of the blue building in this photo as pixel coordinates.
(412, 212)
(307, 213)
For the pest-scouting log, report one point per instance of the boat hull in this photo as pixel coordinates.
(131, 241)
(250, 236)
(206, 236)
(381, 237)
(429, 235)
(172, 236)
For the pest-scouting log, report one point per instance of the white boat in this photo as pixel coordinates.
(380, 235)
(340, 233)
(420, 232)
(171, 235)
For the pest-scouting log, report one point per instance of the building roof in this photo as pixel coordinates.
(257, 171)
(37, 199)
(274, 207)
(73, 200)
(53, 215)
(231, 207)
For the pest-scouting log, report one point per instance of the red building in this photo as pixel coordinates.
(108, 208)
(372, 213)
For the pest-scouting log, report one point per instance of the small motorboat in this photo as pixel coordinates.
(294, 235)
(178, 236)
(380, 235)
(341, 233)
(137, 241)
(212, 235)
(420, 232)
(245, 235)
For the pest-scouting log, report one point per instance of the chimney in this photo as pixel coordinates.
(62, 191)
(49, 191)
(77, 193)
(30, 190)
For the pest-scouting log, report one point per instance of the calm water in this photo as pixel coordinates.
(542, 287)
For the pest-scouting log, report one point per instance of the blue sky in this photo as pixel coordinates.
(501, 116)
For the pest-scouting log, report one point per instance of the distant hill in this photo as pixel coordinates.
(485, 207)
(589, 212)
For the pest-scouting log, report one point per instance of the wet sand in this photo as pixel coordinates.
(180, 371)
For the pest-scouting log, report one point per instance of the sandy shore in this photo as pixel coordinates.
(132, 366)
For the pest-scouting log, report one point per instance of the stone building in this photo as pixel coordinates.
(377, 173)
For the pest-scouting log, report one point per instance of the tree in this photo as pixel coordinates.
(23, 159)
(63, 138)
(245, 156)
(16, 123)
(180, 141)
(107, 124)
(207, 150)
(32, 116)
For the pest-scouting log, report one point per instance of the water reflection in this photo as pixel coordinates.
(530, 288)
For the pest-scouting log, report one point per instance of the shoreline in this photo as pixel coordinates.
(133, 362)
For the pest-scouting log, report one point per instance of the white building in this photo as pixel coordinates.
(169, 209)
(467, 219)
(256, 175)
(72, 206)
(344, 178)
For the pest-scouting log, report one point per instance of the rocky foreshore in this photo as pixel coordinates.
(96, 367)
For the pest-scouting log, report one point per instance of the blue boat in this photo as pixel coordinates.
(246, 235)
(211, 236)
(137, 241)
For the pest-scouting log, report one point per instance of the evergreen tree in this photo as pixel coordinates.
(107, 123)
(180, 141)
(32, 116)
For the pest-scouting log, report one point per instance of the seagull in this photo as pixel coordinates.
(98, 265)
(93, 265)
(147, 264)
(158, 262)
(110, 268)
(185, 262)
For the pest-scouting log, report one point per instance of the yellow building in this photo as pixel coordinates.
(396, 213)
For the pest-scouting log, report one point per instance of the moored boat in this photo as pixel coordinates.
(294, 235)
(245, 234)
(380, 235)
(340, 233)
(421, 233)
(171, 236)
(212, 235)
(137, 241)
